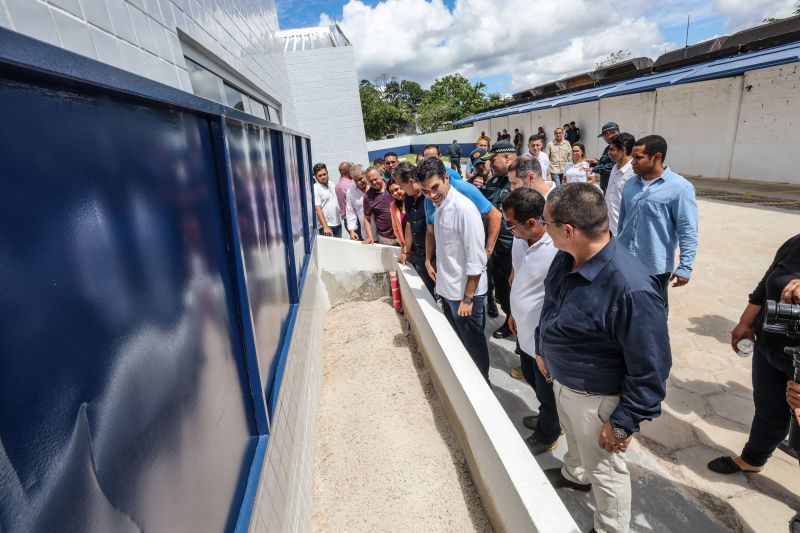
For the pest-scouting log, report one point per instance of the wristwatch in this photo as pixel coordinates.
(467, 299)
(619, 433)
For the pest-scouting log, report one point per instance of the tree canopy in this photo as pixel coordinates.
(403, 106)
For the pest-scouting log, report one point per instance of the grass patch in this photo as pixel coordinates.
(412, 158)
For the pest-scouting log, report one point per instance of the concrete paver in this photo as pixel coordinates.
(708, 408)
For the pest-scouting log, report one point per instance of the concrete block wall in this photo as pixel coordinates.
(466, 137)
(284, 498)
(744, 127)
(141, 36)
(324, 84)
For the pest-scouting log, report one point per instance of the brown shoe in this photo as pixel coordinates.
(516, 372)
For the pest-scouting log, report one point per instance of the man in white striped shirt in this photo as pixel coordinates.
(460, 259)
(354, 205)
(620, 148)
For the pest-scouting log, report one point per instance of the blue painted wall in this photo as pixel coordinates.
(151, 254)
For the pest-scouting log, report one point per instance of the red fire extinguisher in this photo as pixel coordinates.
(395, 285)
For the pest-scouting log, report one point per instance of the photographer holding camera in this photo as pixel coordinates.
(772, 367)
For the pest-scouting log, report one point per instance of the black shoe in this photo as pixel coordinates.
(491, 307)
(794, 525)
(538, 447)
(502, 332)
(530, 422)
(558, 481)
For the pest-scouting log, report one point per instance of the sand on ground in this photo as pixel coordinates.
(386, 457)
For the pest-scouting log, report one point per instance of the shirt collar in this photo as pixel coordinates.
(591, 268)
(664, 176)
(543, 240)
(447, 199)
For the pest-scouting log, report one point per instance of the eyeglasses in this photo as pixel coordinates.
(544, 222)
(511, 227)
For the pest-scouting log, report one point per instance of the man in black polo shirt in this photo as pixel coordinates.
(603, 338)
(414, 249)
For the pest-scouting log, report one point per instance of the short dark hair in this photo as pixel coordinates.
(436, 146)
(524, 164)
(525, 202)
(653, 144)
(571, 123)
(534, 137)
(318, 167)
(403, 172)
(622, 141)
(429, 167)
(390, 154)
(378, 161)
(390, 183)
(581, 205)
(455, 141)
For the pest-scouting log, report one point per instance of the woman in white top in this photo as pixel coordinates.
(578, 170)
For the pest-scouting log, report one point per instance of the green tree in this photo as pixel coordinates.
(449, 99)
(380, 116)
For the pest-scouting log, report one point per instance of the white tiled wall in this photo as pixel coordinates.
(325, 87)
(141, 36)
(284, 497)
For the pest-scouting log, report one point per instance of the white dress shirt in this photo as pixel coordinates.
(544, 161)
(354, 207)
(616, 183)
(460, 252)
(325, 197)
(531, 264)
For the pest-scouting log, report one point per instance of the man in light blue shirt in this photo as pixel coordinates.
(658, 214)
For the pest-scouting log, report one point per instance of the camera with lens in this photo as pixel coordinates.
(784, 319)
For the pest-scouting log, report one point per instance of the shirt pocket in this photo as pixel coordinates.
(657, 210)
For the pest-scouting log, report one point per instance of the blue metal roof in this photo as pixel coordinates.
(715, 69)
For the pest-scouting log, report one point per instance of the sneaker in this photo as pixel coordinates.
(502, 332)
(516, 372)
(530, 422)
(540, 447)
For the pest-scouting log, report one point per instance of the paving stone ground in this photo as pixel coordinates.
(709, 406)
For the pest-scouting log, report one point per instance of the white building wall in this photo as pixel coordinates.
(768, 128)
(324, 84)
(634, 113)
(587, 118)
(141, 36)
(693, 118)
(549, 119)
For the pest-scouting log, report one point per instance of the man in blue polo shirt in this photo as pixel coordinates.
(603, 338)
(657, 214)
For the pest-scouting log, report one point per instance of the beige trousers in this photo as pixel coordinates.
(389, 242)
(582, 416)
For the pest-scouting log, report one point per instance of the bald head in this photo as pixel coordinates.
(344, 169)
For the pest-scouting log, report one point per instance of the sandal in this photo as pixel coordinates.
(726, 465)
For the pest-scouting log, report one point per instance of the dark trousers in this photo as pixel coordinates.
(771, 371)
(455, 164)
(500, 268)
(336, 230)
(470, 330)
(663, 282)
(419, 266)
(548, 427)
(556, 178)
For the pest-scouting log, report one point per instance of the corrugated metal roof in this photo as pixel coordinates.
(313, 38)
(718, 68)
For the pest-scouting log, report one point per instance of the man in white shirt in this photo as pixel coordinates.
(354, 205)
(460, 274)
(535, 145)
(531, 254)
(620, 148)
(326, 204)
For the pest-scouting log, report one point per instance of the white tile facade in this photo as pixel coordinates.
(284, 497)
(325, 88)
(141, 36)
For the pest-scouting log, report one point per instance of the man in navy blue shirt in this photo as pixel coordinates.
(603, 338)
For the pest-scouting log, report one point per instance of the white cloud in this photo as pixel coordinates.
(740, 14)
(531, 41)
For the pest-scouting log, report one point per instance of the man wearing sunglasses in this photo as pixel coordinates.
(603, 337)
(531, 255)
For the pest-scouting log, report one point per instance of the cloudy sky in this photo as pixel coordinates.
(517, 44)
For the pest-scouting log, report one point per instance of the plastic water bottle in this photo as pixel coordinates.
(744, 348)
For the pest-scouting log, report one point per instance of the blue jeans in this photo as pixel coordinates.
(548, 428)
(556, 178)
(470, 330)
